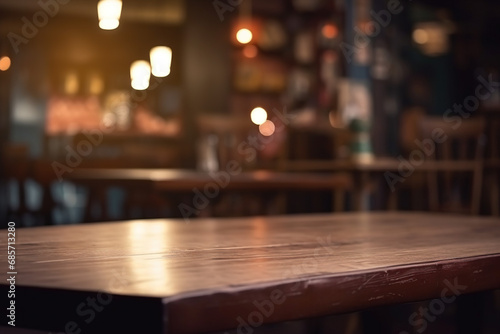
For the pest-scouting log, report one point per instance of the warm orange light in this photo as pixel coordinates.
(258, 115)
(244, 36)
(71, 83)
(250, 51)
(420, 36)
(330, 31)
(96, 85)
(267, 128)
(4, 63)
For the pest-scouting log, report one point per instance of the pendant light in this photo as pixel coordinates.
(109, 12)
(140, 72)
(161, 59)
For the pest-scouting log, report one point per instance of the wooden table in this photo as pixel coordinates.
(175, 180)
(182, 179)
(364, 172)
(165, 276)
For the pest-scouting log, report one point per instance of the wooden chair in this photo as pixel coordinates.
(414, 186)
(459, 153)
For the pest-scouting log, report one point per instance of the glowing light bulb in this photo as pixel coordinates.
(267, 128)
(140, 72)
(161, 59)
(108, 12)
(244, 36)
(258, 115)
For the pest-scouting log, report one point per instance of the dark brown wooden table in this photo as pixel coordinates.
(166, 276)
(181, 180)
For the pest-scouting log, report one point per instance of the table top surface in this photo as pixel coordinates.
(379, 164)
(211, 267)
(234, 178)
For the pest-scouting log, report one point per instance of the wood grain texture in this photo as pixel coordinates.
(175, 277)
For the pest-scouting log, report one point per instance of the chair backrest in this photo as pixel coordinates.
(409, 127)
(462, 139)
(460, 145)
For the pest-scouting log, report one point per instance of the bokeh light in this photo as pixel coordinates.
(267, 128)
(330, 31)
(250, 51)
(244, 36)
(109, 12)
(258, 115)
(71, 83)
(4, 63)
(420, 36)
(140, 73)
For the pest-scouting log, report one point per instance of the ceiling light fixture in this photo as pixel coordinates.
(140, 72)
(109, 12)
(161, 59)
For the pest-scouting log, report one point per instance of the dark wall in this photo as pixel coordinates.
(207, 58)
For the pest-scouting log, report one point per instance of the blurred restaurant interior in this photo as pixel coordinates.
(345, 87)
(238, 108)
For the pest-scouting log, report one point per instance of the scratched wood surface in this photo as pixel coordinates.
(169, 272)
